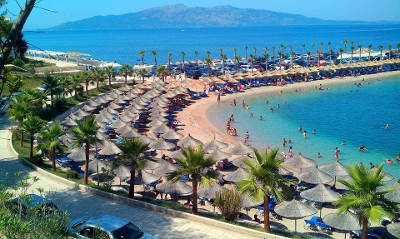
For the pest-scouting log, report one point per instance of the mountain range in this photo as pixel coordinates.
(181, 16)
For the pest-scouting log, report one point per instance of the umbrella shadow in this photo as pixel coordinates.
(317, 235)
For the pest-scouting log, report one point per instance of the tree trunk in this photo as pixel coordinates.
(53, 159)
(132, 184)
(51, 98)
(126, 80)
(109, 80)
(85, 176)
(364, 228)
(21, 140)
(266, 214)
(31, 150)
(87, 87)
(97, 85)
(194, 199)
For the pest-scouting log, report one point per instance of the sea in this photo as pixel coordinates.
(123, 46)
(345, 112)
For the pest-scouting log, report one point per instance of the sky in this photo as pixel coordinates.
(70, 10)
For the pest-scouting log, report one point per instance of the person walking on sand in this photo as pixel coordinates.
(219, 97)
(243, 104)
(336, 153)
(234, 102)
(246, 137)
(290, 152)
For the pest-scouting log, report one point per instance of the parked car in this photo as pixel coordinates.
(32, 201)
(106, 227)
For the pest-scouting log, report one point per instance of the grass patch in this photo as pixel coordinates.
(29, 82)
(23, 150)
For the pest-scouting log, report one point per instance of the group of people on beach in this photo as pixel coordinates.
(229, 129)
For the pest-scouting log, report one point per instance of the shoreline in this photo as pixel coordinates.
(198, 124)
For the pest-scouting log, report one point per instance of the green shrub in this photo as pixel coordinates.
(18, 62)
(72, 174)
(229, 203)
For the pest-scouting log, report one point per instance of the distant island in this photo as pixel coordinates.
(181, 16)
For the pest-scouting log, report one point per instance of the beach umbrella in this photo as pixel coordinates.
(240, 149)
(146, 140)
(102, 100)
(118, 124)
(93, 103)
(136, 91)
(102, 118)
(156, 123)
(109, 148)
(315, 176)
(178, 188)
(393, 196)
(162, 145)
(345, 221)
(115, 106)
(214, 144)
(125, 118)
(294, 210)
(236, 175)
(176, 154)
(96, 166)
(299, 163)
(172, 134)
(136, 106)
(386, 176)
(125, 98)
(239, 162)
(144, 177)
(89, 108)
(159, 104)
(122, 172)
(120, 101)
(131, 95)
(112, 111)
(131, 115)
(151, 165)
(219, 155)
(135, 111)
(320, 193)
(162, 129)
(394, 229)
(248, 202)
(164, 168)
(159, 114)
(100, 135)
(124, 128)
(189, 141)
(77, 155)
(80, 114)
(68, 122)
(130, 133)
(210, 191)
(283, 171)
(335, 169)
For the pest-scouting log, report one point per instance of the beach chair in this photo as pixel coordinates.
(64, 161)
(183, 179)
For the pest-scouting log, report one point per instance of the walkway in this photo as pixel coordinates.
(81, 204)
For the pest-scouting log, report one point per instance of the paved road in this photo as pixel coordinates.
(81, 204)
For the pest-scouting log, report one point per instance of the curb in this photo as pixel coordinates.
(148, 206)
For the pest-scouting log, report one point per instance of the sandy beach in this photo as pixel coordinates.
(198, 124)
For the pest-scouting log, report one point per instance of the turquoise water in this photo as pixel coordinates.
(123, 45)
(344, 112)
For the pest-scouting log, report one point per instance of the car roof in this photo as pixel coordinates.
(32, 201)
(107, 222)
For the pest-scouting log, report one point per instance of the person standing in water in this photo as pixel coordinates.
(246, 137)
(290, 152)
(234, 102)
(300, 129)
(283, 142)
(304, 134)
(336, 153)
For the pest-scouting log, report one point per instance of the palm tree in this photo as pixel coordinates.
(221, 51)
(142, 73)
(196, 54)
(304, 48)
(308, 58)
(331, 52)
(234, 52)
(266, 56)
(208, 54)
(32, 125)
(126, 70)
(369, 52)
(398, 47)
(110, 71)
(312, 47)
(281, 55)
(264, 179)
(223, 58)
(87, 79)
(51, 84)
(360, 49)
(345, 45)
(17, 112)
(98, 76)
(237, 60)
(283, 47)
(255, 52)
(197, 166)
(169, 58)
(245, 49)
(380, 47)
(252, 59)
(182, 54)
(155, 52)
(273, 52)
(141, 53)
(319, 56)
(321, 47)
(390, 50)
(85, 134)
(163, 72)
(329, 46)
(364, 196)
(352, 53)
(208, 61)
(133, 155)
(341, 50)
(76, 81)
(49, 141)
(292, 54)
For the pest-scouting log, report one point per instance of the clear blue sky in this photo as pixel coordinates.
(69, 10)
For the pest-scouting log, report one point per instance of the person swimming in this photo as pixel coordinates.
(251, 115)
(314, 131)
(260, 118)
(343, 142)
(300, 128)
(362, 148)
(387, 126)
(319, 155)
(284, 142)
(305, 134)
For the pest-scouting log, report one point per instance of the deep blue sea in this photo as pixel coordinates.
(123, 45)
(345, 112)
